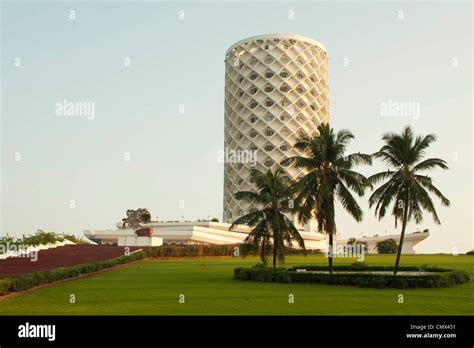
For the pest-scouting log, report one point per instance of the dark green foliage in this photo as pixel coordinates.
(40, 237)
(359, 276)
(191, 250)
(360, 266)
(74, 239)
(354, 242)
(387, 246)
(5, 284)
(293, 251)
(470, 252)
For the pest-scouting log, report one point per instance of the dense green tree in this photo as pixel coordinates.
(387, 246)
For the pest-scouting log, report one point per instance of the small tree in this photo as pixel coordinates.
(387, 246)
(215, 220)
(271, 228)
(355, 242)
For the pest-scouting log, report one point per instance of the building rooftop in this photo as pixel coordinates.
(276, 36)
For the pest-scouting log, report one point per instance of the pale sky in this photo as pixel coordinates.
(69, 173)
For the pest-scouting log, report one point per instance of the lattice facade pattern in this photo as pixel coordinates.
(276, 89)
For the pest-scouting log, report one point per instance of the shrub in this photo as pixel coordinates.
(354, 242)
(387, 246)
(281, 276)
(40, 237)
(262, 274)
(358, 266)
(191, 250)
(470, 252)
(74, 239)
(5, 284)
(300, 251)
(242, 273)
(358, 276)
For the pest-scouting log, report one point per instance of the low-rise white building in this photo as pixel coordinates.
(208, 232)
(409, 242)
(188, 233)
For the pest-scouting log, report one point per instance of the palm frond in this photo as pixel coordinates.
(348, 202)
(430, 163)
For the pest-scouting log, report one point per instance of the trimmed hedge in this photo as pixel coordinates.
(440, 277)
(207, 250)
(358, 266)
(191, 250)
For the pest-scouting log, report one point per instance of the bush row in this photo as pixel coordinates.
(27, 281)
(442, 278)
(191, 250)
(358, 266)
(207, 250)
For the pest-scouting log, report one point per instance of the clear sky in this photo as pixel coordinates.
(69, 173)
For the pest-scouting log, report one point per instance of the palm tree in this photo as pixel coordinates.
(271, 225)
(329, 177)
(404, 185)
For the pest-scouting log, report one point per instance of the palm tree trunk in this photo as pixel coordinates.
(274, 254)
(402, 235)
(331, 242)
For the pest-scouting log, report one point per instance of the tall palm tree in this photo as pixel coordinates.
(271, 226)
(330, 176)
(404, 185)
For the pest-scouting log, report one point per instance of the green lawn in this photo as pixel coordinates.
(153, 288)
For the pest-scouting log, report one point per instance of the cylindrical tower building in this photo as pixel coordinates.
(276, 89)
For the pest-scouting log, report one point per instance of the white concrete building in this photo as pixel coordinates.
(276, 89)
(409, 242)
(189, 233)
(122, 237)
(198, 233)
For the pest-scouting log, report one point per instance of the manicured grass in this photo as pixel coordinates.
(154, 287)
